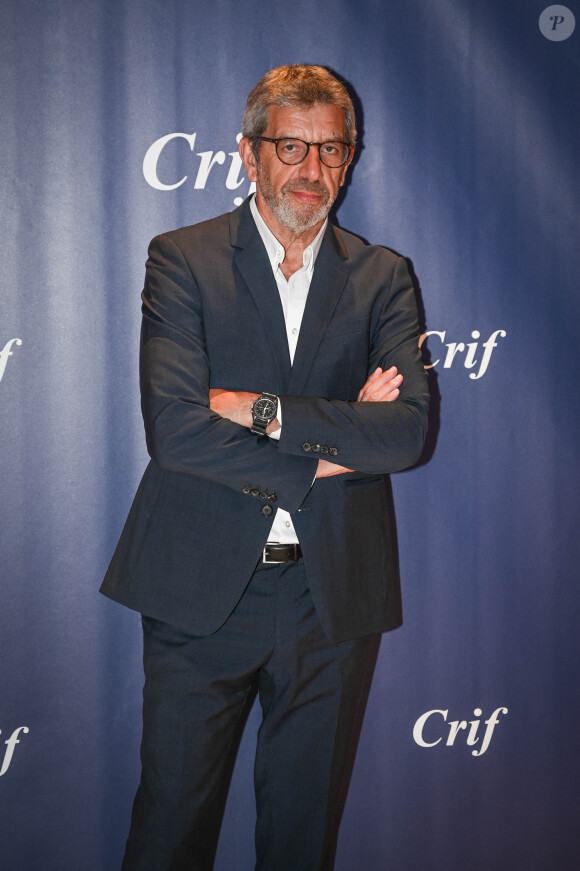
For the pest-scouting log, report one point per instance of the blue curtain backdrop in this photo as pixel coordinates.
(468, 165)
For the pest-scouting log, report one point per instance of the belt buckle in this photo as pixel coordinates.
(268, 562)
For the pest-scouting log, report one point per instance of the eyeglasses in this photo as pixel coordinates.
(292, 151)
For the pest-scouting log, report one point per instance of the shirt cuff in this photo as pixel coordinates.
(277, 433)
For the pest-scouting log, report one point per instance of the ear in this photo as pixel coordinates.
(248, 158)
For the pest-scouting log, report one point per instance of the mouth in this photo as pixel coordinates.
(308, 196)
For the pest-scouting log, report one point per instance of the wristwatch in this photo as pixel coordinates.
(264, 410)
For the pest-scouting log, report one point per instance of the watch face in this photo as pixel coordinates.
(264, 409)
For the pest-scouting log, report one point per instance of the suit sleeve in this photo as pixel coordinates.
(182, 432)
(371, 437)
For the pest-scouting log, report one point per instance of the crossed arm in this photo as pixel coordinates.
(380, 386)
(185, 435)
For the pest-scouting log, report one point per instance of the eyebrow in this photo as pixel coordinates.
(290, 136)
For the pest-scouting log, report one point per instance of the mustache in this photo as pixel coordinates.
(302, 184)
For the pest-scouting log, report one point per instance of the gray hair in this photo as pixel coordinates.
(296, 85)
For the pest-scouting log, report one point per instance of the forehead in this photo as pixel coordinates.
(312, 123)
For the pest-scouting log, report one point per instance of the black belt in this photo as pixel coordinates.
(281, 553)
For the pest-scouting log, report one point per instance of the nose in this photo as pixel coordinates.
(312, 165)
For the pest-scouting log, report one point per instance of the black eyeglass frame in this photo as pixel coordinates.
(350, 149)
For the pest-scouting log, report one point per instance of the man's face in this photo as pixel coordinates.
(296, 198)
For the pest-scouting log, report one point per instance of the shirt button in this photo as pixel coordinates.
(294, 331)
(288, 523)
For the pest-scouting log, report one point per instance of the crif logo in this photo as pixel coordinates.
(10, 747)
(431, 728)
(5, 353)
(469, 353)
(174, 142)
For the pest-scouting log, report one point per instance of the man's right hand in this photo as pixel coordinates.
(379, 387)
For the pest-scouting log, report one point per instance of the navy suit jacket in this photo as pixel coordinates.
(212, 317)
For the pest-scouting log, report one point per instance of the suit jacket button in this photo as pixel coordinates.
(323, 449)
(245, 490)
(266, 510)
(306, 446)
(255, 492)
(263, 495)
(333, 452)
(315, 448)
(272, 497)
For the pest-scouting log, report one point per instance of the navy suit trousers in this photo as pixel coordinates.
(197, 694)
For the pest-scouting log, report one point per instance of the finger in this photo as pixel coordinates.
(369, 382)
(384, 391)
(376, 383)
(372, 380)
(373, 376)
(390, 397)
(377, 376)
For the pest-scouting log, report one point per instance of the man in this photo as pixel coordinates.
(281, 383)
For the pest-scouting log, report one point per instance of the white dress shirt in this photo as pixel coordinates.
(293, 294)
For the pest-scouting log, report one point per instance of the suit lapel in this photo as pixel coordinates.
(254, 267)
(330, 276)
